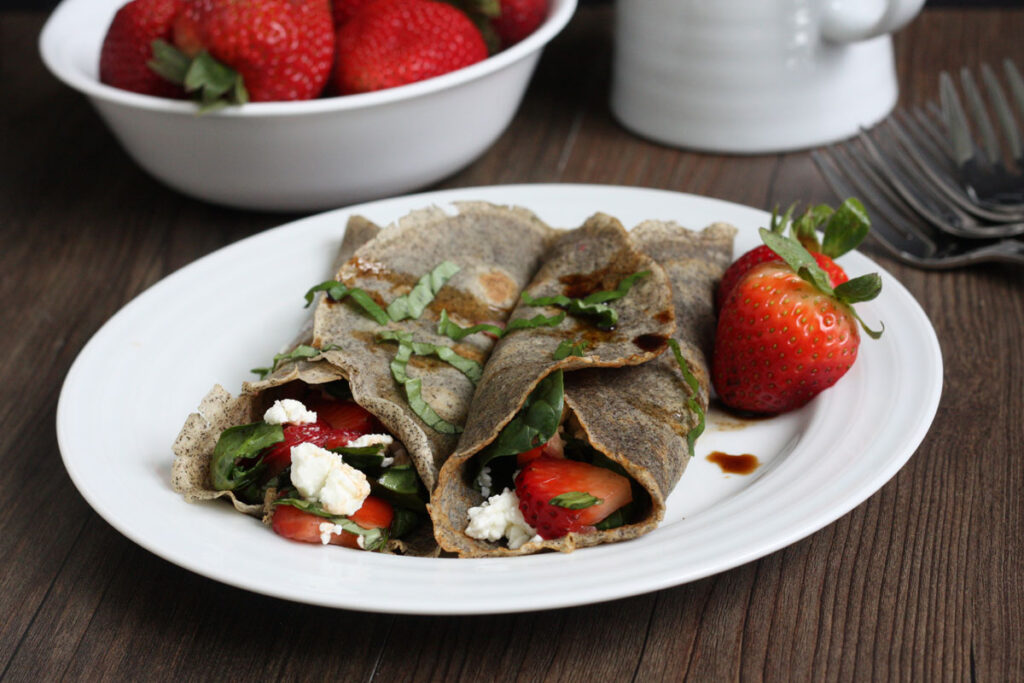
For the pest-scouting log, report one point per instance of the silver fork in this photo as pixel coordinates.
(986, 177)
(881, 149)
(898, 229)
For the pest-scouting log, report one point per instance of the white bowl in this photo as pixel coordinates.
(308, 155)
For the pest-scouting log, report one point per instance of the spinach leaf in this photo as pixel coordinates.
(404, 521)
(236, 445)
(467, 366)
(534, 424)
(569, 348)
(302, 351)
(450, 329)
(691, 401)
(593, 305)
(414, 393)
(337, 291)
(413, 304)
(363, 457)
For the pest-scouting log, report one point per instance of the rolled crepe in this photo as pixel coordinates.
(193, 449)
(639, 416)
(497, 250)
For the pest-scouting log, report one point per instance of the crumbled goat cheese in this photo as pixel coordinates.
(321, 476)
(361, 541)
(499, 517)
(371, 440)
(328, 529)
(484, 482)
(288, 411)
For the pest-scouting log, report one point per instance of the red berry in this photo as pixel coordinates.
(546, 478)
(554, 448)
(394, 42)
(279, 456)
(283, 49)
(128, 47)
(518, 19)
(294, 524)
(763, 254)
(780, 341)
(345, 415)
(343, 10)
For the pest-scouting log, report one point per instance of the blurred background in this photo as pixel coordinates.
(46, 4)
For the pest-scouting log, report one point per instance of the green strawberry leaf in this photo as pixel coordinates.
(798, 258)
(805, 228)
(575, 500)
(413, 304)
(237, 444)
(863, 288)
(779, 223)
(846, 229)
(169, 62)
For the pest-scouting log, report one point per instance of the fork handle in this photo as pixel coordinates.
(846, 21)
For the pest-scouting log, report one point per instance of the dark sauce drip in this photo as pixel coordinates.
(580, 285)
(651, 342)
(735, 464)
(664, 317)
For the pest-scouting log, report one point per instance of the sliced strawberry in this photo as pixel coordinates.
(294, 524)
(318, 433)
(554, 448)
(545, 478)
(346, 415)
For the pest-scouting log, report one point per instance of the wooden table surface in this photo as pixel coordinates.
(923, 581)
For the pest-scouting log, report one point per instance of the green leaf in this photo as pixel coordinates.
(778, 223)
(413, 393)
(616, 519)
(594, 305)
(805, 228)
(400, 479)
(338, 389)
(863, 288)
(337, 291)
(575, 500)
(846, 228)
(237, 444)
(362, 457)
(373, 539)
(450, 329)
(534, 424)
(569, 348)
(169, 62)
(413, 304)
(467, 366)
(691, 402)
(404, 521)
(798, 258)
(302, 351)
(213, 84)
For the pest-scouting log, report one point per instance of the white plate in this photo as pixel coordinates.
(133, 384)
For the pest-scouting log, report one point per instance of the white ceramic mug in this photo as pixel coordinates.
(754, 76)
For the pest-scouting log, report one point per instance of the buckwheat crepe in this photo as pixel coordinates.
(635, 414)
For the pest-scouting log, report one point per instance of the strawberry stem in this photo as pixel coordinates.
(212, 84)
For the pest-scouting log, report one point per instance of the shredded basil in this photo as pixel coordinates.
(593, 305)
(302, 351)
(450, 329)
(534, 424)
(691, 402)
(413, 393)
(373, 539)
(236, 445)
(569, 348)
(413, 304)
(337, 291)
(575, 500)
(467, 366)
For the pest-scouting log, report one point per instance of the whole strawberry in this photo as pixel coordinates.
(343, 10)
(844, 229)
(239, 50)
(784, 333)
(518, 19)
(389, 43)
(128, 47)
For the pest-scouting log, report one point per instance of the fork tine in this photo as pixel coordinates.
(980, 116)
(1003, 112)
(890, 231)
(1016, 83)
(929, 124)
(956, 120)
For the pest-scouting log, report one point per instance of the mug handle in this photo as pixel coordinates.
(845, 21)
